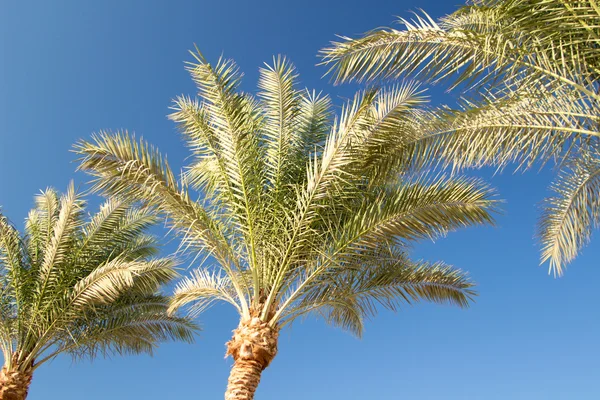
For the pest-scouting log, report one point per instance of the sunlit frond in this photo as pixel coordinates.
(118, 161)
(524, 128)
(571, 212)
(531, 69)
(202, 289)
(281, 105)
(123, 228)
(107, 283)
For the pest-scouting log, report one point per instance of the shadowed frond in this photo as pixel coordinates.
(130, 326)
(346, 295)
(313, 122)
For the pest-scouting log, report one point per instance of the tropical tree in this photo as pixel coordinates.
(296, 214)
(80, 287)
(535, 65)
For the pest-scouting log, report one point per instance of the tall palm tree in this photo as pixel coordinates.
(536, 64)
(301, 215)
(80, 287)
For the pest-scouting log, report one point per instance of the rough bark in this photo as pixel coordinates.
(253, 347)
(14, 383)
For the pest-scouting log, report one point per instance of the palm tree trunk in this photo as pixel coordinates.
(253, 347)
(243, 380)
(14, 383)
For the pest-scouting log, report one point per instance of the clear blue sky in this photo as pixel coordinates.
(69, 68)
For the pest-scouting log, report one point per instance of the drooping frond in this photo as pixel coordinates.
(348, 294)
(202, 289)
(571, 212)
(376, 54)
(133, 325)
(425, 209)
(473, 45)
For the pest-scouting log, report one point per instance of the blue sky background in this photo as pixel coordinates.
(69, 68)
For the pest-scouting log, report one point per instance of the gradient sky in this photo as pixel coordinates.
(70, 68)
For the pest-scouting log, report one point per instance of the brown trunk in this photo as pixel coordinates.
(253, 347)
(14, 383)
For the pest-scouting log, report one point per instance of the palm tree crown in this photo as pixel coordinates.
(299, 213)
(536, 64)
(80, 287)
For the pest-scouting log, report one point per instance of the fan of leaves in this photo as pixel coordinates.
(82, 286)
(300, 211)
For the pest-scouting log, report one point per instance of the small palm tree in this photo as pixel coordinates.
(83, 288)
(537, 64)
(300, 215)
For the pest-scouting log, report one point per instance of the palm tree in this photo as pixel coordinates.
(536, 64)
(77, 287)
(298, 214)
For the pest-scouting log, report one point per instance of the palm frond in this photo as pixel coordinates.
(426, 209)
(107, 283)
(118, 160)
(521, 128)
(389, 279)
(281, 104)
(570, 214)
(203, 288)
(313, 123)
(134, 325)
